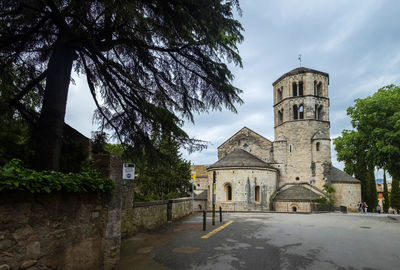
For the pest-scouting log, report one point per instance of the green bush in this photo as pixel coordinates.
(14, 177)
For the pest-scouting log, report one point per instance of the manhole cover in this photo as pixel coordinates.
(364, 227)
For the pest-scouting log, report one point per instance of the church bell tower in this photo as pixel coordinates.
(302, 147)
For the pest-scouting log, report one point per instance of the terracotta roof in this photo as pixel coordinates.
(297, 193)
(300, 70)
(338, 176)
(240, 158)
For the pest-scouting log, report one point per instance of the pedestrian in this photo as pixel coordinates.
(359, 207)
(365, 207)
(378, 209)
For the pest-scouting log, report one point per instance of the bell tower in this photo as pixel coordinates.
(302, 149)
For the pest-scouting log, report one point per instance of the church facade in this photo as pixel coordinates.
(289, 173)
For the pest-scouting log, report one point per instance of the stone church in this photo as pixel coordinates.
(289, 173)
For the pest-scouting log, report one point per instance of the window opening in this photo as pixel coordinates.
(295, 113)
(297, 178)
(245, 145)
(294, 209)
(317, 146)
(315, 88)
(300, 88)
(290, 148)
(228, 192)
(280, 117)
(280, 94)
(319, 113)
(294, 86)
(257, 193)
(301, 112)
(319, 89)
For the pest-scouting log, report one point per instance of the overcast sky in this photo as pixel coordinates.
(356, 42)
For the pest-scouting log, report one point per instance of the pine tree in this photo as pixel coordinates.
(395, 194)
(386, 203)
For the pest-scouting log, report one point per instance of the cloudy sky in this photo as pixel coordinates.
(356, 42)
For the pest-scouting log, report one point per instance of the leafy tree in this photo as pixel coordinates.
(149, 64)
(165, 178)
(375, 140)
(386, 203)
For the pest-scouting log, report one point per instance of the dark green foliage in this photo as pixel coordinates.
(149, 64)
(372, 201)
(395, 195)
(375, 140)
(329, 200)
(164, 178)
(14, 177)
(386, 202)
(99, 141)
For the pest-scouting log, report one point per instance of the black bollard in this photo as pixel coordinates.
(204, 220)
(220, 214)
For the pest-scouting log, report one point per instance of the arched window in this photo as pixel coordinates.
(319, 89)
(280, 94)
(301, 112)
(257, 194)
(295, 112)
(297, 178)
(317, 146)
(294, 86)
(319, 113)
(228, 192)
(300, 88)
(280, 117)
(294, 208)
(315, 88)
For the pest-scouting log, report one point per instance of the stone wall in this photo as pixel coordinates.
(144, 216)
(347, 194)
(55, 231)
(301, 207)
(244, 183)
(63, 230)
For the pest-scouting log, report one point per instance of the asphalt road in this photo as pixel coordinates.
(270, 241)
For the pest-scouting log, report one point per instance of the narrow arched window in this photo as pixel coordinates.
(319, 113)
(317, 146)
(257, 194)
(228, 192)
(315, 88)
(295, 112)
(319, 89)
(280, 117)
(280, 94)
(300, 88)
(294, 86)
(301, 112)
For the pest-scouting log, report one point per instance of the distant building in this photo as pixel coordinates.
(379, 190)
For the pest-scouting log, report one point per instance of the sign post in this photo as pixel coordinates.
(128, 173)
(193, 179)
(213, 197)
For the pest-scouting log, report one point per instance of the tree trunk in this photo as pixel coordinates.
(49, 131)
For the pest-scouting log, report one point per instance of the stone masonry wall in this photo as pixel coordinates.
(243, 183)
(302, 207)
(144, 216)
(63, 230)
(53, 231)
(347, 195)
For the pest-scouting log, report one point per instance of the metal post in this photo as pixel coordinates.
(204, 219)
(192, 196)
(220, 214)
(213, 198)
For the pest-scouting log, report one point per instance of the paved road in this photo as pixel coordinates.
(270, 241)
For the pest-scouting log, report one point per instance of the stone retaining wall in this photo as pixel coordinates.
(144, 216)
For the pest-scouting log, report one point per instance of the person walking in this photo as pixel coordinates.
(378, 209)
(359, 207)
(365, 207)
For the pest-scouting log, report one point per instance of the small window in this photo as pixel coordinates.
(290, 148)
(317, 146)
(315, 88)
(228, 192)
(280, 117)
(297, 178)
(257, 194)
(319, 113)
(301, 88)
(294, 209)
(294, 86)
(279, 94)
(295, 112)
(319, 89)
(301, 112)
(245, 145)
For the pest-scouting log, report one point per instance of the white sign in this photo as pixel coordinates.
(128, 171)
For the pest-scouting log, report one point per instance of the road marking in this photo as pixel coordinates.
(216, 230)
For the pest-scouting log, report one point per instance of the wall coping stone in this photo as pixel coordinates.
(180, 199)
(149, 203)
